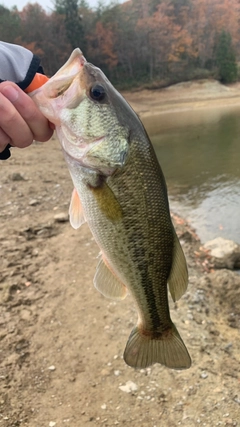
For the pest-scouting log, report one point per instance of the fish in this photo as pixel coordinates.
(121, 193)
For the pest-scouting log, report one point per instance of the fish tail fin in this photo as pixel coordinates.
(168, 348)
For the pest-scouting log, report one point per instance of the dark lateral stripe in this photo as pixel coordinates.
(156, 298)
(147, 286)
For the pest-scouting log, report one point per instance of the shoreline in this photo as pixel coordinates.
(187, 96)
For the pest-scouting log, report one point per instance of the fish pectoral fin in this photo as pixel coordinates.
(107, 202)
(107, 283)
(178, 278)
(75, 211)
(143, 350)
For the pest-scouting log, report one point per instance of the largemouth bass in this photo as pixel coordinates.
(120, 192)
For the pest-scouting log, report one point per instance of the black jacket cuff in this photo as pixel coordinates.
(6, 153)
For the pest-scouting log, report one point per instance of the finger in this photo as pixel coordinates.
(13, 125)
(28, 110)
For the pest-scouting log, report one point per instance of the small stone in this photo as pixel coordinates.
(52, 368)
(105, 372)
(52, 424)
(129, 387)
(16, 176)
(104, 406)
(218, 390)
(117, 372)
(204, 375)
(33, 202)
(228, 347)
(28, 284)
(61, 217)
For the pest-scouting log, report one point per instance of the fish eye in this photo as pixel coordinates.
(97, 92)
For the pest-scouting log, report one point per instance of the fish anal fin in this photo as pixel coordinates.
(107, 283)
(143, 350)
(76, 216)
(178, 278)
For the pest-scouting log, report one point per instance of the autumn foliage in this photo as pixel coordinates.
(151, 42)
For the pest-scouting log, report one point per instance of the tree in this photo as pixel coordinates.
(101, 47)
(168, 41)
(44, 34)
(9, 24)
(226, 59)
(206, 19)
(73, 21)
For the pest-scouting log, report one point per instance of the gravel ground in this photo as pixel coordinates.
(62, 342)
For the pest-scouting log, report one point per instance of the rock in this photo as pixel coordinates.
(129, 387)
(237, 400)
(52, 368)
(61, 217)
(33, 202)
(204, 375)
(225, 253)
(106, 372)
(16, 176)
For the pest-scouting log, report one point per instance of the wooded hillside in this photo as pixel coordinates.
(139, 42)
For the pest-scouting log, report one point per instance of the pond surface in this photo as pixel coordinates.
(199, 152)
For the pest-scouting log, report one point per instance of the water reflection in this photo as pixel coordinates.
(199, 152)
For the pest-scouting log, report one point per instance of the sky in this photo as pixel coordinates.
(46, 4)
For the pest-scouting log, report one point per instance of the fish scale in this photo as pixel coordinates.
(120, 191)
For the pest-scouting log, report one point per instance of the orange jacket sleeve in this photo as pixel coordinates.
(38, 81)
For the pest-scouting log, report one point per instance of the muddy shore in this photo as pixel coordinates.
(62, 342)
(184, 97)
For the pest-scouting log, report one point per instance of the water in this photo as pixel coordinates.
(199, 152)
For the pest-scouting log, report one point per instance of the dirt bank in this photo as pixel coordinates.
(62, 342)
(184, 96)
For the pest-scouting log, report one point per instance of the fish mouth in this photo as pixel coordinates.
(63, 78)
(51, 97)
(73, 64)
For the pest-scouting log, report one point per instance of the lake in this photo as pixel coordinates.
(199, 152)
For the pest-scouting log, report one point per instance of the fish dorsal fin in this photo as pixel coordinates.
(107, 283)
(75, 211)
(178, 278)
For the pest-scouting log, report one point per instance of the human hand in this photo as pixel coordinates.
(20, 119)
